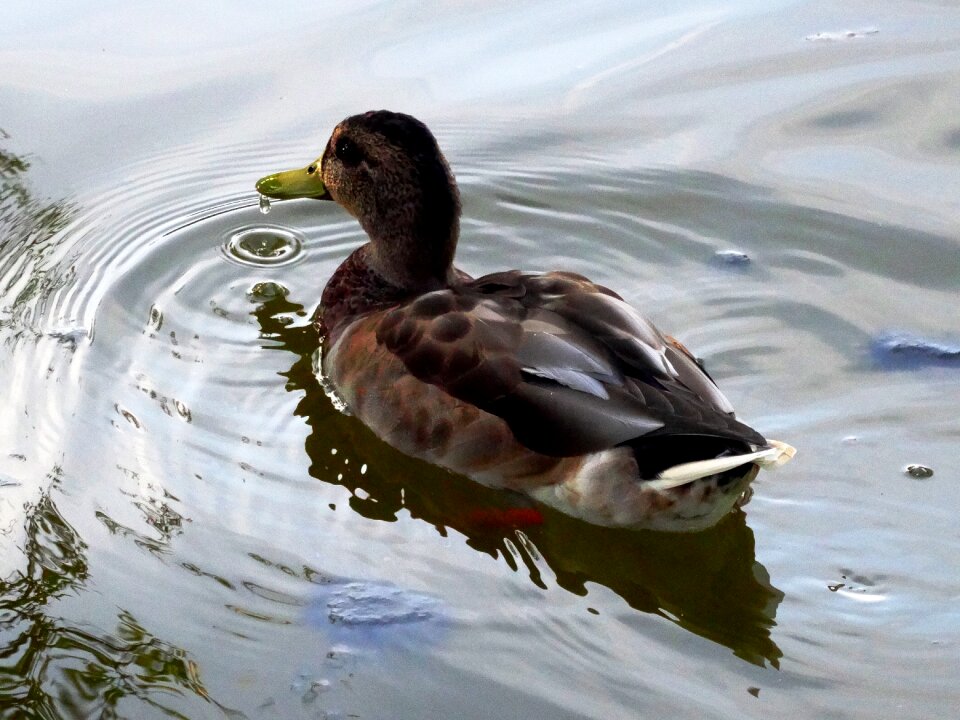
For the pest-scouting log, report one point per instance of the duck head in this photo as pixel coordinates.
(386, 170)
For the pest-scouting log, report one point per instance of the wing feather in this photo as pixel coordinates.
(570, 366)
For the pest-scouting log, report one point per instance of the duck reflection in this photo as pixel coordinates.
(708, 582)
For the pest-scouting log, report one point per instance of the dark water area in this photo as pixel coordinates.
(191, 527)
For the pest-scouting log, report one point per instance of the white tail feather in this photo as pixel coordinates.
(786, 452)
(777, 454)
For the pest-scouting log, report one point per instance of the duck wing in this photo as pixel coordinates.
(566, 363)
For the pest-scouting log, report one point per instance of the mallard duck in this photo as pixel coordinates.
(542, 383)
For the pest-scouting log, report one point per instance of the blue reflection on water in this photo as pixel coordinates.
(370, 614)
(902, 351)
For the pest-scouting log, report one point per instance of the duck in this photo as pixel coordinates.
(541, 383)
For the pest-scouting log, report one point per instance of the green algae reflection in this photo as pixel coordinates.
(52, 667)
(28, 226)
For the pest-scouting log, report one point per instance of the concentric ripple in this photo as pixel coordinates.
(264, 245)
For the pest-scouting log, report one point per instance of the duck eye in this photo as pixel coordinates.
(348, 153)
(312, 169)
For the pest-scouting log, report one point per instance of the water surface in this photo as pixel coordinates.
(190, 528)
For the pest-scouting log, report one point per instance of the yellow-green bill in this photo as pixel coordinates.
(290, 184)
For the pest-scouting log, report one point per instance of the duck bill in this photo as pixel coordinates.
(291, 184)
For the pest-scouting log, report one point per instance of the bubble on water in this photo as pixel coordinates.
(267, 291)
(735, 258)
(920, 472)
(155, 320)
(314, 690)
(263, 245)
(842, 34)
(264, 204)
(860, 594)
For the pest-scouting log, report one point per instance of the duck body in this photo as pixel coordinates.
(542, 383)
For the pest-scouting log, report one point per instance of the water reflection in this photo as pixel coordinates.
(28, 225)
(51, 666)
(709, 583)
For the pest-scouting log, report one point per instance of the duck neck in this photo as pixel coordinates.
(413, 240)
(416, 264)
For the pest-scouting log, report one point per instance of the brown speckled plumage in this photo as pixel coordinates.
(542, 383)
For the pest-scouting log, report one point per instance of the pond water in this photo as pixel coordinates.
(190, 528)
